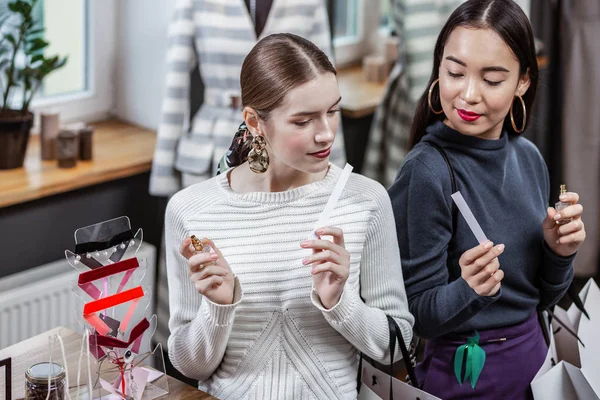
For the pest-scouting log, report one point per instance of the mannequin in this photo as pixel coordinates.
(259, 11)
(216, 36)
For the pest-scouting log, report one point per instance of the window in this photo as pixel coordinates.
(66, 31)
(358, 27)
(346, 16)
(385, 17)
(65, 28)
(84, 31)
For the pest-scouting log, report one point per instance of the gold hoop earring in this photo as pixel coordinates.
(429, 97)
(258, 158)
(512, 118)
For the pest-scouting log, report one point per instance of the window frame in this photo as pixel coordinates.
(369, 38)
(96, 102)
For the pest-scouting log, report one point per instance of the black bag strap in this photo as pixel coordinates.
(452, 181)
(395, 335)
(573, 295)
(571, 292)
(573, 333)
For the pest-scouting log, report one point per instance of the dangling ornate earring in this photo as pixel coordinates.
(258, 158)
(429, 97)
(512, 118)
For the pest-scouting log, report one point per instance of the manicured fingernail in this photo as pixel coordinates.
(562, 197)
(557, 217)
(312, 271)
(305, 261)
(500, 247)
(558, 241)
(320, 231)
(214, 256)
(488, 245)
(304, 244)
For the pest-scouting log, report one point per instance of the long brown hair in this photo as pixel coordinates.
(509, 21)
(276, 65)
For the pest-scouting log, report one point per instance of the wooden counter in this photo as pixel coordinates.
(35, 349)
(120, 150)
(359, 97)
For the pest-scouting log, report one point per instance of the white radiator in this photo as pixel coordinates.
(39, 299)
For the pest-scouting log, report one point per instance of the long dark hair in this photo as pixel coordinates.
(276, 65)
(509, 21)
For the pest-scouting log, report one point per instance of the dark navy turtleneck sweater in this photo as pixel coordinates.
(505, 183)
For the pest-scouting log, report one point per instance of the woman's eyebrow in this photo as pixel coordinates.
(485, 69)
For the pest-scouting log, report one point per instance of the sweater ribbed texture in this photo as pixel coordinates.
(276, 341)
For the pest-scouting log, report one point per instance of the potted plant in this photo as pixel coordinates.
(23, 67)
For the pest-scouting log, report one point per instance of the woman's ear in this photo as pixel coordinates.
(524, 82)
(252, 120)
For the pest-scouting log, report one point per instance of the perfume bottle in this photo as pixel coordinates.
(198, 246)
(560, 205)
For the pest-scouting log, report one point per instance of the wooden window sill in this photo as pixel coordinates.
(120, 150)
(359, 97)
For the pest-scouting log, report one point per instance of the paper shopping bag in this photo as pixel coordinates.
(563, 382)
(577, 375)
(376, 386)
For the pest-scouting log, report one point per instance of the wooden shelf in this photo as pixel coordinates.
(120, 150)
(359, 97)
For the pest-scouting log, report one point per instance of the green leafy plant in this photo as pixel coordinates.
(23, 64)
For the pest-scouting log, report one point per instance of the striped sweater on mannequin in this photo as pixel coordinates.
(276, 341)
(217, 35)
(418, 23)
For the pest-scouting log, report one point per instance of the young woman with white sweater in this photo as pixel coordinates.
(270, 313)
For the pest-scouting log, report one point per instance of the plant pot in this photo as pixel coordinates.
(14, 136)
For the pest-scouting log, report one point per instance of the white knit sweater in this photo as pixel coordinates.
(276, 341)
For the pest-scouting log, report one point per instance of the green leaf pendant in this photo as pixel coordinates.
(474, 357)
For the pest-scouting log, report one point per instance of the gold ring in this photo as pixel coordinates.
(208, 264)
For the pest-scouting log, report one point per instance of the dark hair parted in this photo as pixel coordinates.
(508, 20)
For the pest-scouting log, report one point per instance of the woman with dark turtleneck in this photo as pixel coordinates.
(484, 296)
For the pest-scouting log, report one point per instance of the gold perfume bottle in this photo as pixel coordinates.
(560, 205)
(198, 246)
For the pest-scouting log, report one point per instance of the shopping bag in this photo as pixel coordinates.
(551, 357)
(375, 384)
(563, 382)
(577, 352)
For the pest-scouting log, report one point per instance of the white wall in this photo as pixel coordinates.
(140, 67)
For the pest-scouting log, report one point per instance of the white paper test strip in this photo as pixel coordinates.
(333, 199)
(469, 217)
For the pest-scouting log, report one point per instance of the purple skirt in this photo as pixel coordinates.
(509, 368)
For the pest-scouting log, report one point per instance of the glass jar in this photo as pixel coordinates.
(36, 382)
(67, 148)
(85, 143)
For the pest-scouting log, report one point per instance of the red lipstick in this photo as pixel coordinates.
(468, 116)
(322, 154)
